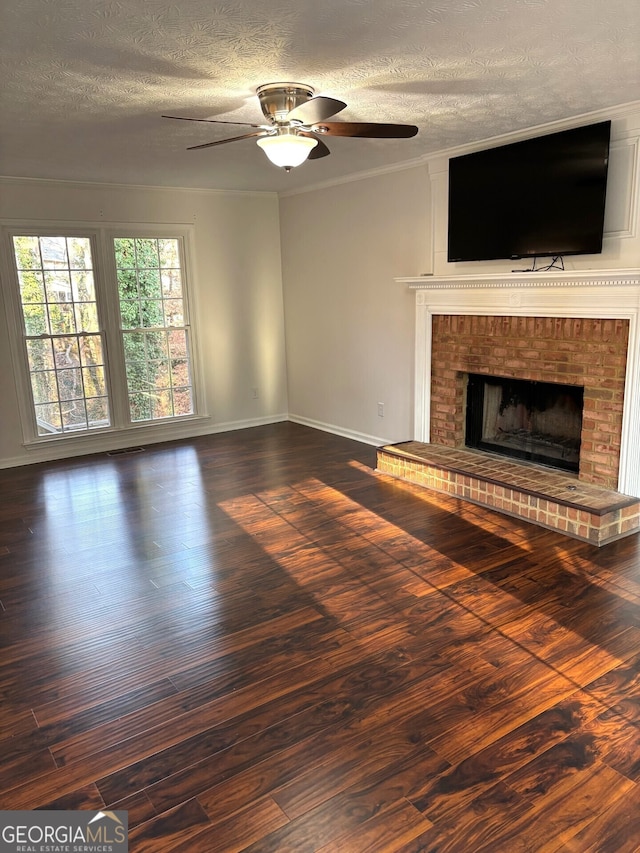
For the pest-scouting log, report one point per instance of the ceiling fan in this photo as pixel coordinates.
(296, 123)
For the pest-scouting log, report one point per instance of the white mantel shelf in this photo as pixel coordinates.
(551, 278)
(602, 294)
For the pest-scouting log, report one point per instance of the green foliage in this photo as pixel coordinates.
(142, 267)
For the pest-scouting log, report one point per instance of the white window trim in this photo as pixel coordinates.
(101, 236)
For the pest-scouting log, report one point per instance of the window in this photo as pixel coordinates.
(153, 328)
(62, 336)
(103, 348)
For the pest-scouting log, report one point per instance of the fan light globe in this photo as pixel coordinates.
(287, 150)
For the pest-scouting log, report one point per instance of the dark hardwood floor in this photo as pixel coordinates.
(250, 641)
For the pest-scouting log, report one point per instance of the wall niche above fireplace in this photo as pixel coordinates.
(523, 419)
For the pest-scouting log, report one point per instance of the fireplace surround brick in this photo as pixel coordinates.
(570, 350)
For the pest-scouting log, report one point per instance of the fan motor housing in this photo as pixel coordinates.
(278, 99)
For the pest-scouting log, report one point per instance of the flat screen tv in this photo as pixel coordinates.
(539, 197)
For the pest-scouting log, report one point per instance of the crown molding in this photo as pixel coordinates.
(16, 180)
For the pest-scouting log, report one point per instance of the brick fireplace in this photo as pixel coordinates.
(572, 328)
(587, 352)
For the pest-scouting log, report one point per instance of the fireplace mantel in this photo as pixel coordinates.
(552, 278)
(602, 294)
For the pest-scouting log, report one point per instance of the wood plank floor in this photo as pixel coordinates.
(251, 642)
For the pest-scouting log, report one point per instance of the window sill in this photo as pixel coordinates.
(99, 441)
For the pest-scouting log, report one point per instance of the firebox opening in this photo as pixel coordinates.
(539, 421)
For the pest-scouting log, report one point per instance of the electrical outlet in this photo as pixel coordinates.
(380, 410)
(254, 393)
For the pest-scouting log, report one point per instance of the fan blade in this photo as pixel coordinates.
(231, 139)
(318, 151)
(316, 109)
(213, 121)
(364, 129)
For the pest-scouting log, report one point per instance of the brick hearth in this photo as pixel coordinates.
(550, 499)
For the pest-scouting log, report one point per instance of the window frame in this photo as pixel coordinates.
(101, 239)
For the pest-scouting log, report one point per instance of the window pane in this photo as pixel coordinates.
(58, 299)
(79, 249)
(151, 313)
(133, 345)
(66, 352)
(74, 416)
(40, 355)
(171, 284)
(180, 372)
(140, 406)
(173, 312)
(178, 343)
(82, 286)
(45, 387)
(86, 316)
(27, 251)
(162, 405)
(70, 384)
(182, 401)
(161, 376)
(156, 345)
(169, 251)
(36, 319)
(62, 318)
(94, 381)
(58, 286)
(98, 412)
(130, 314)
(127, 284)
(137, 375)
(31, 286)
(48, 419)
(146, 253)
(53, 251)
(149, 283)
(90, 350)
(125, 253)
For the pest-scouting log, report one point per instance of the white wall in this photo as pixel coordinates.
(238, 294)
(349, 326)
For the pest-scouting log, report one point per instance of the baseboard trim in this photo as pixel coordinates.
(229, 426)
(375, 441)
(107, 442)
(118, 441)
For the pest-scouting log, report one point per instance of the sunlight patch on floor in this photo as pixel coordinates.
(516, 531)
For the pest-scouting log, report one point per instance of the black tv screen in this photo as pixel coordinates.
(542, 196)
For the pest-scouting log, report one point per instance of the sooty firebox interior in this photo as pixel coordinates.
(539, 421)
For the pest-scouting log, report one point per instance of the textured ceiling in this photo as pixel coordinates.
(83, 83)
